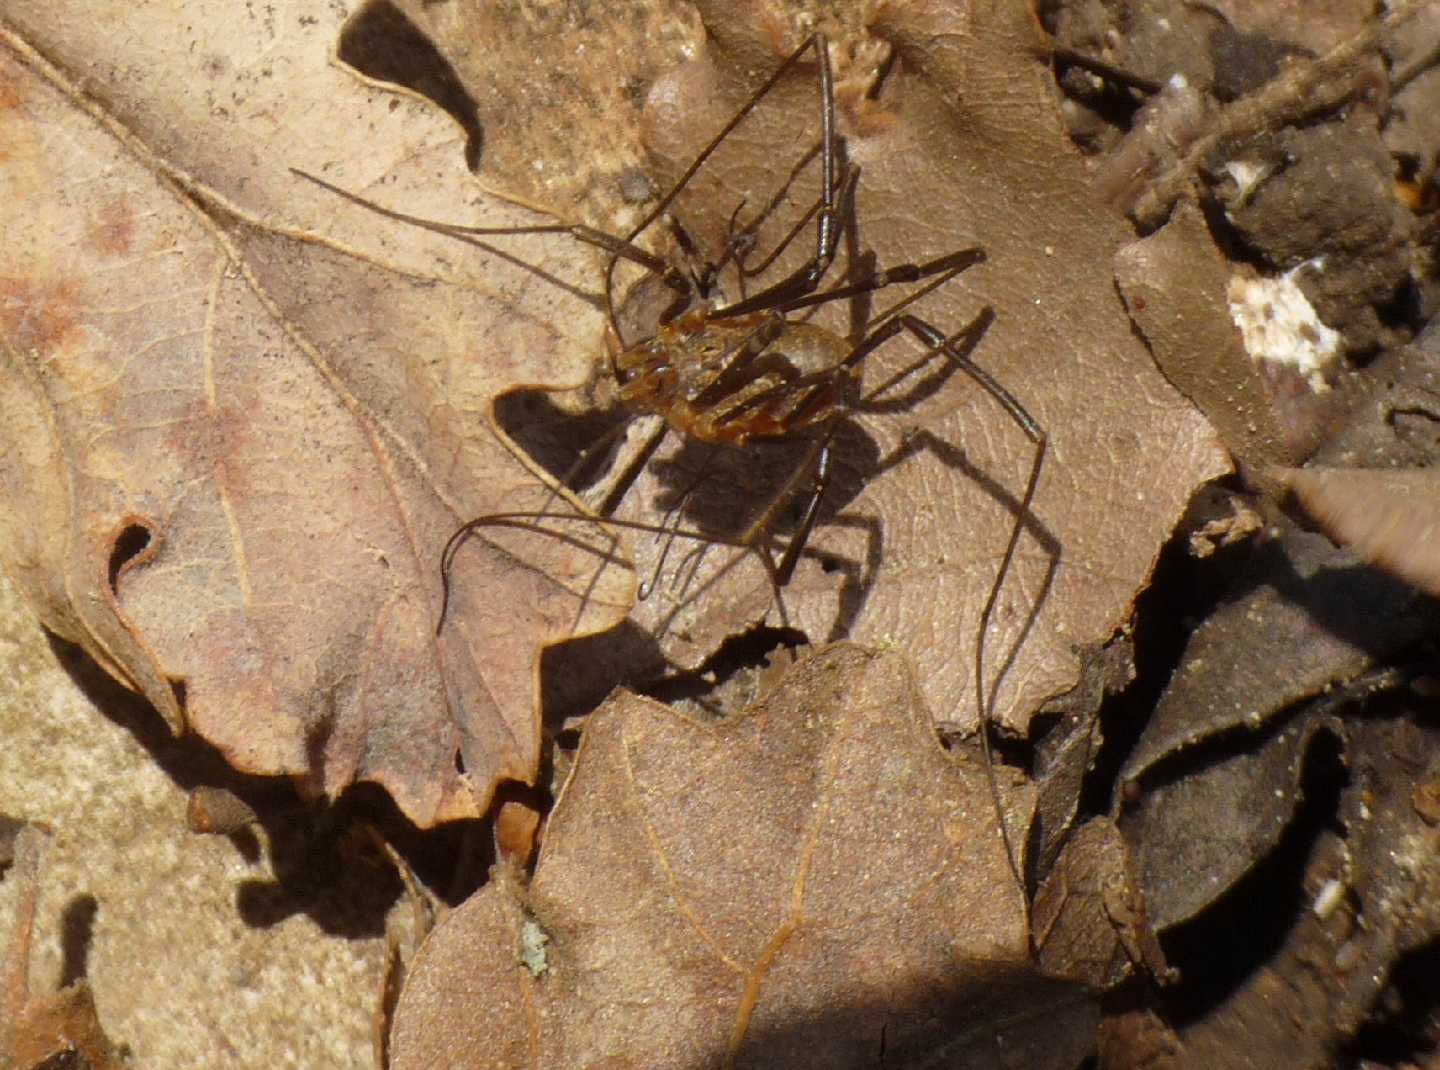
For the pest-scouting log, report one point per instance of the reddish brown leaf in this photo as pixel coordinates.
(780, 889)
(234, 455)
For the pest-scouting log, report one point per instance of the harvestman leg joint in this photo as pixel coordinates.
(733, 373)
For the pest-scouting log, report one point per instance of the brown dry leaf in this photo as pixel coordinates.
(1389, 518)
(1214, 780)
(803, 885)
(961, 148)
(1089, 918)
(44, 1031)
(235, 448)
(1174, 282)
(1370, 888)
(1193, 838)
(1312, 619)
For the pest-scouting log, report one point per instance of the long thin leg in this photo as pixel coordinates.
(828, 223)
(503, 520)
(611, 502)
(741, 241)
(951, 263)
(618, 248)
(931, 337)
(819, 480)
(818, 42)
(647, 588)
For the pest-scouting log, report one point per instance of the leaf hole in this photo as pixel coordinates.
(130, 547)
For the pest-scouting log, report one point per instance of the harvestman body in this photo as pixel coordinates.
(744, 371)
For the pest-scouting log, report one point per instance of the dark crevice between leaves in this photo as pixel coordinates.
(1183, 591)
(1242, 930)
(1111, 102)
(382, 44)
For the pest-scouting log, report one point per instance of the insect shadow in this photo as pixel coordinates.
(729, 373)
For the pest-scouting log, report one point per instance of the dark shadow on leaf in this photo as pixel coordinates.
(1242, 930)
(383, 45)
(565, 445)
(1403, 1030)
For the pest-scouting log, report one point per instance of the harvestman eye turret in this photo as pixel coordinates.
(733, 373)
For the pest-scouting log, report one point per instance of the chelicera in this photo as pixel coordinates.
(732, 373)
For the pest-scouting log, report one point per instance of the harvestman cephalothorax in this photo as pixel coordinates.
(732, 373)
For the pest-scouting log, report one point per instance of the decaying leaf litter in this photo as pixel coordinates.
(876, 454)
(777, 889)
(425, 449)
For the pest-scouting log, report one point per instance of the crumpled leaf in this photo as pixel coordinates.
(783, 888)
(236, 448)
(961, 148)
(1315, 621)
(1089, 917)
(1066, 753)
(1194, 837)
(1369, 896)
(1314, 618)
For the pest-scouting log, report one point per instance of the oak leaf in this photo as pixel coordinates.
(802, 885)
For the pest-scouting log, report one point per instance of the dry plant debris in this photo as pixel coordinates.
(253, 538)
(234, 454)
(245, 416)
(797, 886)
(39, 1032)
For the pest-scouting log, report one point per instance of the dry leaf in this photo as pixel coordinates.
(235, 448)
(803, 885)
(1194, 838)
(257, 489)
(961, 148)
(1066, 754)
(1367, 891)
(1216, 772)
(1089, 918)
(1174, 282)
(1389, 518)
(1310, 619)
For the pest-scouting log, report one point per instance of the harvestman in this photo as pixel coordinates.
(732, 373)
